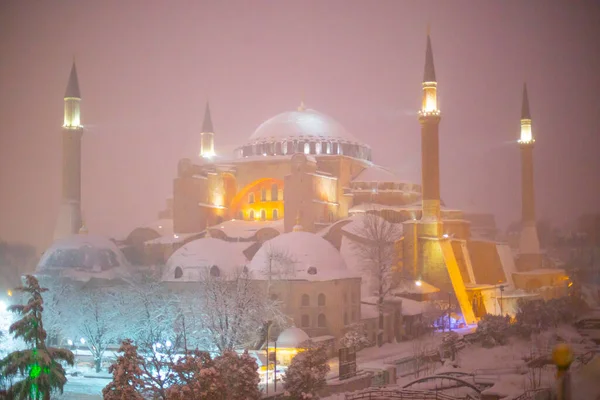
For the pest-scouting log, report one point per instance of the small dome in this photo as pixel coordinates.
(302, 250)
(305, 123)
(217, 256)
(292, 338)
(83, 253)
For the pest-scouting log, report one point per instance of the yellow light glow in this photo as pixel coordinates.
(418, 283)
(9, 293)
(526, 132)
(429, 105)
(72, 113)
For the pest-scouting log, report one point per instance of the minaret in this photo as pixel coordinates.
(207, 136)
(69, 218)
(529, 244)
(429, 117)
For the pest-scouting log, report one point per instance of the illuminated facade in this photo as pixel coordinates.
(69, 218)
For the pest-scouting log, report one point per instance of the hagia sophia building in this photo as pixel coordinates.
(300, 185)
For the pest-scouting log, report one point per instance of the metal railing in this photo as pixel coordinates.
(379, 394)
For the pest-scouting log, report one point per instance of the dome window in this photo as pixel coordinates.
(178, 273)
(312, 270)
(215, 272)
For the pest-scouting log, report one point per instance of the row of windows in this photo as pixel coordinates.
(305, 300)
(322, 320)
(263, 194)
(306, 147)
(262, 215)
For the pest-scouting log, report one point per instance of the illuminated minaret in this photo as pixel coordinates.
(69, 217)
(429, 117)
(207, 136)
(529, 244)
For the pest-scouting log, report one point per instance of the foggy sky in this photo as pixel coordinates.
(146, 69)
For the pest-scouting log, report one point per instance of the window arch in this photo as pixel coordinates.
(305, 300)
(178, 273)
(274, 192)
(321, 299)
(306, 148)
(215, 272)
(263, 215)
(305, 321)
(284, 147)
(251, 215)
(321, 321)
(263, 194)
(275, 214)
(250, 198)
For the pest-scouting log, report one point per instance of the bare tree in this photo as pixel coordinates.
(57, 306)
(374, 244)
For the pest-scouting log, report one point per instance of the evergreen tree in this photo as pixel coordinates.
(39, 366)
(126, 371)
(305, 376)
(240, 375)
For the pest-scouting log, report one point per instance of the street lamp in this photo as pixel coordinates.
(501, 292)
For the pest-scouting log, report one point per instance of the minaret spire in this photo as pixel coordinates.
(525, 114)
(69, 218)
(429, 74)
(207, 136)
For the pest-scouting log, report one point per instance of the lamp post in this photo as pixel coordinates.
(449, 311)
(501, 292)
(268, 336)
(562, 355)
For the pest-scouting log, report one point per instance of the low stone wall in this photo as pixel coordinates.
(361, 381)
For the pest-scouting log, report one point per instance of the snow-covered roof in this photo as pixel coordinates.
(376, 173)
(191, 261)
(172, 238)
(413, 307)
(291, 338)
(301, 123)
(163, 226)
(83, 257)
(299, 256)
(411, 287)
(356, 226)
(368, 311)
(238, 228)
(542, 271)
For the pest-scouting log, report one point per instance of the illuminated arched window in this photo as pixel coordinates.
(251, 215)
(284, 147)
(250, 198)
(321, 299)
(274, 192)
(263, 215)
(306, 148)
(263, 194)
(328, 151)
(322, 321)
(305, 300)
(275, 215)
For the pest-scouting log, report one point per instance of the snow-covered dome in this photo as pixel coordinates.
(303, 131)
(83, 256)
(195, 258)
(291, 338)
(299, 256)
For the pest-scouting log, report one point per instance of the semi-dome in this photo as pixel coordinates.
(83, 256)
(298, 256)
(208, 255)
(292, 338)
(303, 131)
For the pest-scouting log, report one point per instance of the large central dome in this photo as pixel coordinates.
(304, 123)
(303, 131)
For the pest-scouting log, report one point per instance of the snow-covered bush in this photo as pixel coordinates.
(356, 337)
(240, 375)
(493, 329)
(538, 315)
(305, 376)
(126, 371)
(196, 378)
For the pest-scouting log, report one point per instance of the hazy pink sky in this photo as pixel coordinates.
(146, 69)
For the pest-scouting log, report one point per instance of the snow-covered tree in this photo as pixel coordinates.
(57, 306)
(493, 329)
(374, 244)
(126, 371)
(39, 366)
(94, 316)
(305, 376)
(196, 378)
(233, 310)
(240, 375)
(355, 336)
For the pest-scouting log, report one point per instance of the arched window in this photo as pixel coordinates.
(318, 148)
(312, 270)
(215, 272)
(250, 198)
(263, 194)
(321, 299)
(306, 148)
(275, 214)
(241, 215)
(328, 147)
(274, 192)
(263, 215)
(305, 321)
(178, 273)
(284, 147)
(322, 321)
(251, 215)
(305, 301)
